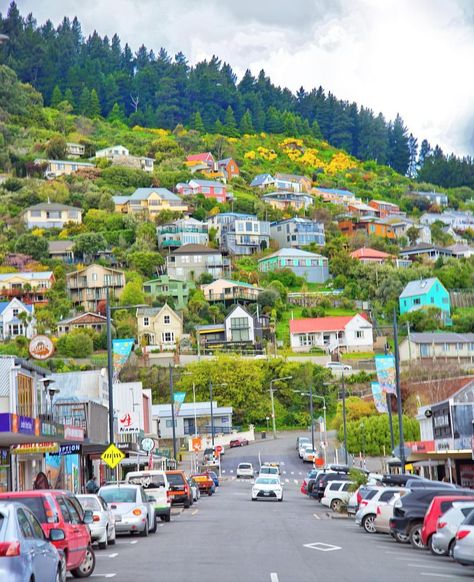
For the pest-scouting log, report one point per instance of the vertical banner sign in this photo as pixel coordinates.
(178, 400)
(385, 367)
(121, 352)
(379, 398)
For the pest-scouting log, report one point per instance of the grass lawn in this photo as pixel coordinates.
(358, 356)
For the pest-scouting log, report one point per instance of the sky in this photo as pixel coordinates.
(412, 57)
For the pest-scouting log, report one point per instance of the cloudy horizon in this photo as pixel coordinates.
(396, 56)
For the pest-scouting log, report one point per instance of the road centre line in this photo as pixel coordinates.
(273, 577)
(440, 575)
(99, 555)
(441, 569)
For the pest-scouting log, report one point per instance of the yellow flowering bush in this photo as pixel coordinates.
(251, 155)
(266, 154)
(37, 232)
(340, 163)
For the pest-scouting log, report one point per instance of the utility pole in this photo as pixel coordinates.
(311, 414)
(212, 414)
(110, 364)
(344, 419)
(172, 412)
(401, 443)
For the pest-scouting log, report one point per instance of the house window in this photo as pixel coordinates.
(169, 423)
(359, 334)
(35, 213)
(167, 337)
(425, 350)
(446, 347)
(95, 277)
(167, 319)
(15, 312)
(417, 301)
(239, 329)
(146, 322)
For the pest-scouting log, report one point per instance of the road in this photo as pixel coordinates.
(227, 538)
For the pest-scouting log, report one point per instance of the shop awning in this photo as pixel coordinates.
(18, 430)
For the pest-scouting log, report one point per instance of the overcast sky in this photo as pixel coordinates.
(414, 57)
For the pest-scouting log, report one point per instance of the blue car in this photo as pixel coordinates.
(25, 553)
(214, 477)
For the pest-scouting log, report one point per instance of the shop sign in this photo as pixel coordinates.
(147, 444)
(443, 445)
(52, 429)
(128, 447)
(5, 422)
(421, 446)
(41, 347)
(73, 449)
(73, 433)
(129, 423)
(32, 448)
(26, 425)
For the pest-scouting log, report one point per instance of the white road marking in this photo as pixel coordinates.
(439, 575)
(223, 471)
(322, 547)
(292, 472)
(194, 512)
(287, 480)
(273, 577)
(316, 516)
(284, 472)
(300, 473)
(231, 470)
(99, 555)
(296, 481)
(103, 575)
(431, 567)
(161, 525)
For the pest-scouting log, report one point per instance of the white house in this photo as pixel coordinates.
(239, 326)
(351, 333)
(111, 152)
(192, 418)
(160, 327)
(12, 324)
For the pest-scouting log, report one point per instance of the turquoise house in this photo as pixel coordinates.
(425, 293)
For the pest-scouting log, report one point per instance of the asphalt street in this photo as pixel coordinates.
(227, 538)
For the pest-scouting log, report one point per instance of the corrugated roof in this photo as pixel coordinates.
(144, 194)
(213, 183)
(260, 179)
(419, 287)
(335, 191)
(368, 253)
(441, 337)
(27, 275)
(293, 253)
(60, 246)
(53, 206)
(195, 249)
(317, 324)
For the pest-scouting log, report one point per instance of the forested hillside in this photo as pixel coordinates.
(99, 76)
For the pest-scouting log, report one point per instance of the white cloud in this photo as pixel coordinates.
(395, 56)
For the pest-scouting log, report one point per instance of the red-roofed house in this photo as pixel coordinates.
(206, 158)
(384, 208)
(352, 333)
(367, 255)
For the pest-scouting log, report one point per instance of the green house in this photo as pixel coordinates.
(425, 293)
(166, 287)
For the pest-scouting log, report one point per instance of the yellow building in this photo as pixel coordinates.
(149, 200)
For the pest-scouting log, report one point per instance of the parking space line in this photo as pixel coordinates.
(295, 481)
(273, 577)
(440, 575)
(434, 567)
(194, 511)
(99, 555)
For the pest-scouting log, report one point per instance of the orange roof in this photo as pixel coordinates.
(199, 157)
(366, 253)
(337, 323)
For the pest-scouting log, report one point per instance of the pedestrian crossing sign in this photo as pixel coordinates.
(112, 456)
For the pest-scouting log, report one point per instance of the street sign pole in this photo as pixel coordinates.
(399, 393)
(344, 419)
(110, 375)
(172, 412)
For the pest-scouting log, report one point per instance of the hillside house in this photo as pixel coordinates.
(208, 188)
(383, 208)
(240, 234)
(335, 195)
(167, 288)
(313, 267)
(371, 226)
(229, 168)
(119, 155)
(205, 158)
(372, 256)
(61, 250)
(159, 327)
(351, 333)
(16, 319)
(150, 201)
(292, 182)
(87, 288)
(262, 181)
(288, 200)
(426, 251)
(181, 232)
(75, 150)
(88, 320)
(435, 198)
(55, 168)
(297, 232)
(51, 215)
(228, 291)
(29, 288)
(189, 262)
(438, 345)
(425, 293)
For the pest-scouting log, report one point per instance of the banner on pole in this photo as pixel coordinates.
(178, 400)
(385, 367)
(121, 351)
(379, 398)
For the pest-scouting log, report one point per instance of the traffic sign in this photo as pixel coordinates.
(218, 449)
(112, 456)
(147, 444)
(197, 444)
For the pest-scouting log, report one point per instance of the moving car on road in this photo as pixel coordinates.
(196, 494)
(213, 475)
(156, 485)
(205, 483)
(303, 448)
(268, 470)
(463, 551)
(103, 520)
(309, 455)
(338, 366)
(25, 553)
(245, 470)
(301, 440)
(238, 443)
(133, 511)
(57, 509)
(442, 542)
(267, 487)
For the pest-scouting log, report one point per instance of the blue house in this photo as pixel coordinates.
(425, 293)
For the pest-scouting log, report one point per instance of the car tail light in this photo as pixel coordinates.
(137, 511)
(462, 533)
(359, 498)
(379, 511)
(96, 517)
(9, 549)
(441, 524)
(363, 503)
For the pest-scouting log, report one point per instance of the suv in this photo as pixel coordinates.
(179, 491)
(437, 508)
(320, 483)
(156, 486)
(56, 509)
(245, 470)
(337, 494)
(301, 440)
(409, 512)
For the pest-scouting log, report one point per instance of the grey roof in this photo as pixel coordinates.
(60, 246)
(214, 183)
(419, 287)
(423, 247)
(286, 195)
(148, 311)
(294, 177)
(144, 193)
(194, 249)
(293, 253)
(225, 161)
(260, 179)
(459, 248)
(441, 337)
(53, 206)
(120, 199)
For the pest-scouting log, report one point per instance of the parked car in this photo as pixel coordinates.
(303, 448)
(24, 549)
(132, 509)
(438, 507)
(338, 366)
(57, 509)
(409, 512)
(156, 484)
(382, 521)
(442, 542)
(268, 487)
(196, 494)
(179, 491)
(205, 483)
(245, 470)
(336, 495)
(398, 480)
(213, 475)
(321, 482)
(302, 440)
(103, 520)
(463, 551)
(363, 492)
(367, 512)
(309, 455)
(238, 443)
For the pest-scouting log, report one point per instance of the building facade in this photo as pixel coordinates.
(150, 201)
(228, 291)
(88, 286)
(425, 293)
(164, 287)
(16, 319)
(189, 262)
(297, 232)
(181, 232)
(160, 327)
(51, 215)
(313, 267)
(241, 234)
(29, 288)
(94, 321)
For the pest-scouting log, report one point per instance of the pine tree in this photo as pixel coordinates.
(94, 107)
(197, 123)
(116, 114)
(56, 97)
(289, 124)
(230, 125)
(413, 151)
(219, 127)
(85, 102)
(69, 97)
(425, 151)
(246, 123)
(274, 122)
(316, 130)
(399, 154)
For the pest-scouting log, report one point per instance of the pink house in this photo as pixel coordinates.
(208, 188)
(206, 158)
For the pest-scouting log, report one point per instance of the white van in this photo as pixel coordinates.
(156, 486)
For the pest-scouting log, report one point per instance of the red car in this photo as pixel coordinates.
(437, 507)
(57, 509)
(238, 443)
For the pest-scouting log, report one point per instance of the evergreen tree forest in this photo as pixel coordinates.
(99, 76)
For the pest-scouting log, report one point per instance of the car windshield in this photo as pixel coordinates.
(90, 503)
(119, 494)
(148, 481)
(245, 466)
(175, 479)
(266, 481)
(271, 470)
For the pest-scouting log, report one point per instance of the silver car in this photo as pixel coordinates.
(463, 551)
(103, 520)
(132, 509)
(25, 553)
(443, 540)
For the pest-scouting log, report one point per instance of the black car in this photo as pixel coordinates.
(316, 488)
(398, 480)
(409, 512)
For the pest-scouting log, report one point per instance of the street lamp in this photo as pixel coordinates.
(267, 418)
(273, 401)
(325, 427)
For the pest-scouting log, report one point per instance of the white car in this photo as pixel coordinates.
(103, 525)
(267, 487)
(133, 511)
(269, 471)
(367, 512)
(337, 494)
(245, 470)
(309, 455)
(303, 448)
(338, 366)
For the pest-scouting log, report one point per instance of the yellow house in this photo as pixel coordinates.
(149, 200)
(161, 327)
(88, 286)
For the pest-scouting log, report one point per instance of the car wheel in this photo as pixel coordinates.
(434, 550)
(187, 504)
(451, 547)
(336, 505)
(166, 517)
(368, 523)
(103, 545)
(401, 538)
(145, 532)
(254, 499)
(62, 570)
(209, 492)
(112, 539)
(415, 537)
(281, 499)
(154, 528)
(87, 566)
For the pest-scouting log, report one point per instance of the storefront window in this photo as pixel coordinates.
(4, 469)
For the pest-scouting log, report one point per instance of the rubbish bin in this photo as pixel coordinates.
(264, 435)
